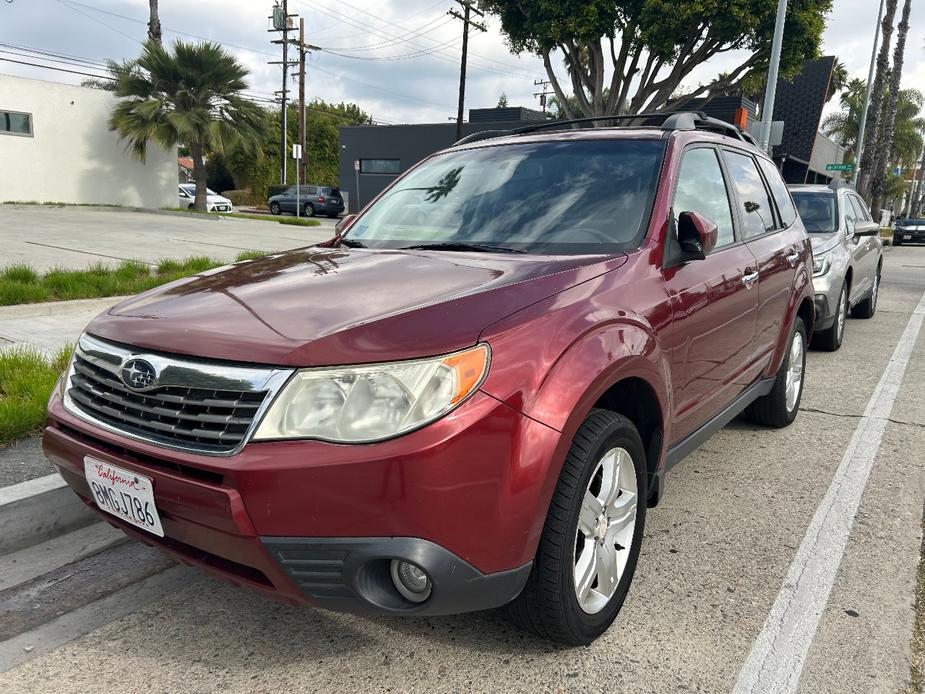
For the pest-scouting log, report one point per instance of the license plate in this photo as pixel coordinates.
(124, 494)
(907, 237)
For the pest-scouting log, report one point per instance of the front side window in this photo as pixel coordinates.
(701, 188)
(379, 166)
(860, 209)
(779, 190)
(542, 197)
(817, 210)
(754, 204)
(15, 123)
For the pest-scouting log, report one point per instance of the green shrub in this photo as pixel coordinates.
(239, 198)
(26, 380)
(275, 189)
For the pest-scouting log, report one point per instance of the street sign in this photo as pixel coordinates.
(839, 167)
(297, 151)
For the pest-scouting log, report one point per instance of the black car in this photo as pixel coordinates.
(909, 231)
(310, 201)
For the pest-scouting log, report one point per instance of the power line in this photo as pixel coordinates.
(98, 21)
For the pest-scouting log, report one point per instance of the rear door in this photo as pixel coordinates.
(776, 241)
(714, 304)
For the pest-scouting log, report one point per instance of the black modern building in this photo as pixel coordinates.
(371, 157)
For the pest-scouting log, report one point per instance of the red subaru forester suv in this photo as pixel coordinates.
(471, 394)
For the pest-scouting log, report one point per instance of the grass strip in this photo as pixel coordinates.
(21, 284)
(26, 379)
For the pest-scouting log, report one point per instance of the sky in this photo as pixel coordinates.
(399, 60)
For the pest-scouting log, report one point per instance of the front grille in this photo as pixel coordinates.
(196, 417)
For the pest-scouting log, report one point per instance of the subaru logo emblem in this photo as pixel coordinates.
(138, 374)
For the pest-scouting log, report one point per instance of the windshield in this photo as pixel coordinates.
(817, 210)
(548, 197)
(191, 190)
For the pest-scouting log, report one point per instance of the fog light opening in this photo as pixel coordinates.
(411, 580)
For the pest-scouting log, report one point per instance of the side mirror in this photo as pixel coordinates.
(344, 223)
(867, 229)
(696, 235)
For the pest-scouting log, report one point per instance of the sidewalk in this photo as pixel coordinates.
(49, 326)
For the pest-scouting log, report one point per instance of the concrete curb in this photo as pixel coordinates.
(34, 511)
(51, 308)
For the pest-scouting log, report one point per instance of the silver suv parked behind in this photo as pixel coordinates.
(847, 257)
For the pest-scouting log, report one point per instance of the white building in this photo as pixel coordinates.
(55, 146)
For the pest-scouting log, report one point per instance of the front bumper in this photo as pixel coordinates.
(909, 235)
(465, 498)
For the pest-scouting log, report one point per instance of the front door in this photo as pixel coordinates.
(714, 302)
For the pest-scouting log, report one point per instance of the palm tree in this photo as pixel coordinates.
(839, 79)
(876, 98)
(843, 126)
(885, 144)
(154, 22)
(191, 96)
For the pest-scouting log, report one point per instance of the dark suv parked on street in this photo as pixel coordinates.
(461, 409)
(308, 200)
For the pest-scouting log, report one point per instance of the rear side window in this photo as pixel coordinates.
(701, 189)
(753, 202)
(788, 213)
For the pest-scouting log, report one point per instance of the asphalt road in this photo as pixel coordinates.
(74, 237)
(722, 553)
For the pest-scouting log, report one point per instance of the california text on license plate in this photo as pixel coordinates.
(124, 494)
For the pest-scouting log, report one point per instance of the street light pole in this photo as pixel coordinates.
(770, 91)
(859, 149)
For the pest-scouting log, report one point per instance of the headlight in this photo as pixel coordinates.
(821, 265)
(362, 404)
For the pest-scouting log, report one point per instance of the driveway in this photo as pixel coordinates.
(74, 237)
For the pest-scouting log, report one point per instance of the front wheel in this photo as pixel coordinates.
(779, 407)
(830, 340)
(274, 208)
(868, 307)
(590, 543)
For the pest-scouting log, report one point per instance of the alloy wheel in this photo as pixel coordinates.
(842, 313)
(795, 371)
(606, 523)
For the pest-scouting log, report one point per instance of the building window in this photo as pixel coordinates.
(15, 123)
(379, 166)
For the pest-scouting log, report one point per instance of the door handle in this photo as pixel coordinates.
(793, 258)
(749, 278)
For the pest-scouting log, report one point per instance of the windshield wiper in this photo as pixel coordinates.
(350, 243)
(457, 246)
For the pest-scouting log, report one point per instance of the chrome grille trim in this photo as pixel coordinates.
(197, 406)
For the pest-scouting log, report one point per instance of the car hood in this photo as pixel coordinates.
(823, 243)
(217, 198)
(323, 306)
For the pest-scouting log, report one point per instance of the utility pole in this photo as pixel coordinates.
(304, 50)
(543, 93)
(767, 111)
(465, 17)
(281, 23)
(859, 147)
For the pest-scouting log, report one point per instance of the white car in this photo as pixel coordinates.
(214, 201)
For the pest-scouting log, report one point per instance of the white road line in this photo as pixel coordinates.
(775, 663)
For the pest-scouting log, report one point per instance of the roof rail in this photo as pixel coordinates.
(665, 120)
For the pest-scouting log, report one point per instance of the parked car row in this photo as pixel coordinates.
(470, 396)
(909, 231)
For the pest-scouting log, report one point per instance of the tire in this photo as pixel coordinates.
(332, 216)
(549, 604)
(830, 340)
(191, 206)
(274, 208)
(868, 307)
(896, 241)
(772, 409)
(308, 210)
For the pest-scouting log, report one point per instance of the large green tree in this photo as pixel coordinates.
(323, 123)
(649, 47)
(192, 94)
